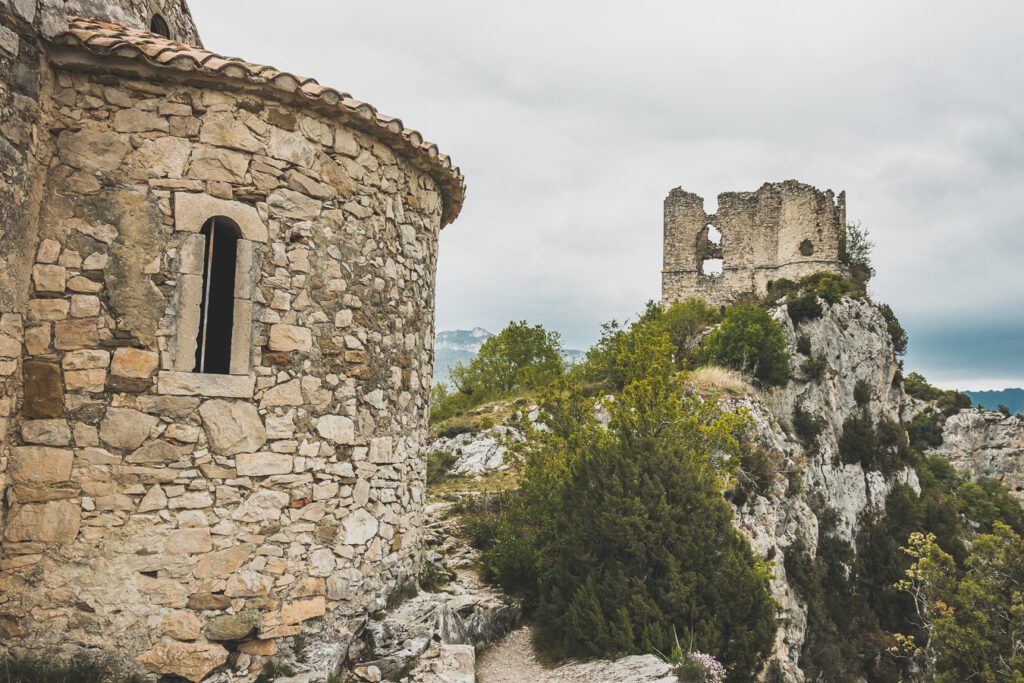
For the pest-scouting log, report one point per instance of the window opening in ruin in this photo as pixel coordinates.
(712, 267)
(807, 248)
(714, 235)
(158, 26)
(216, 313)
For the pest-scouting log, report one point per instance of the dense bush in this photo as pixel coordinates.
(949, 402)
(520, 357)
(438, 465)
(897, 334)
(882, 447)
(804, 307)
(853, 605)
(750, 341)
(814, 368)
(83, 669)
(862, 393)
(683, 323)
(807, 427)
(619, 537)
(925, 430)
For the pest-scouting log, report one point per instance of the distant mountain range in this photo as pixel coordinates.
(1011, 398)
(461, 346)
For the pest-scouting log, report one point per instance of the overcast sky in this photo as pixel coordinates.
(573, 120)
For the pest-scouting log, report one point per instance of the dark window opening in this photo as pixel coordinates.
(159, 26)
(217, 311)
(807, 248)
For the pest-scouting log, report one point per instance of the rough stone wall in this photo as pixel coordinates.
(783, 230)
(53, 15)
(175, 518)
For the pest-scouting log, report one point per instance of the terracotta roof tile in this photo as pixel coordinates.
(104, 38)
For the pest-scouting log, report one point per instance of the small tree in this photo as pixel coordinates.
(856, 251)
(750, 341)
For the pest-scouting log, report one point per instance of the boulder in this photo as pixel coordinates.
(192, 661)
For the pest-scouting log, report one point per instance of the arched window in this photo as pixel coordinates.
(158, 26)
(216, 313)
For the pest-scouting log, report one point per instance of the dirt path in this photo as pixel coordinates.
(511, 660)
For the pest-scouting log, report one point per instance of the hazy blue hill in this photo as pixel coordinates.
(1011, 398)
(461, 346)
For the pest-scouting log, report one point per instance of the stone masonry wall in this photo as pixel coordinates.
(783, 230)
(175, 519)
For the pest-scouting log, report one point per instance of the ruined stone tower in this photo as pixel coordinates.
(216, 341)
(783, 230)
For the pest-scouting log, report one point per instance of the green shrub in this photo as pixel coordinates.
(438, 465)
(521, 357)
(807, 427)
(757, 471)
(862, 393)
(925, 430)
(81, 669)
(622, 526)
(898, 335)
(803, 345)
(683, 323)
(434, 576)
(814, 368)
(949, 402)
(750, 341)
(401, 593)
(804, 307)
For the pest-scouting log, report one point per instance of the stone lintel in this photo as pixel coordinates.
(206, 384)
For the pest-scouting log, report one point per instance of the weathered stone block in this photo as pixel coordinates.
(49, 278)
(92, 150)
(222, 562)
(49, 309)
(86, 359)
(198, 384)
(126, 428)
(232, 426)
(44, 393)
(290, 338)
(134, 363)
(75, 334)
(336, 428)
(189, 541)
(39, 465)
(56, 521)
(46, 432)
(192, 661)
(262, 464)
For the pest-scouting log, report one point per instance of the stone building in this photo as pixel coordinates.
(783, 230)
(216, 339)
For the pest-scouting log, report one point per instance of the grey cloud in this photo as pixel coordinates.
(573, 119)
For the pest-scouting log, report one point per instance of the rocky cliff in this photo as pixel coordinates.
(844, 371)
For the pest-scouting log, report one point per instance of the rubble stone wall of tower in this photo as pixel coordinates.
(783, 230)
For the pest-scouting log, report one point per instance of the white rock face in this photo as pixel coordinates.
(477, 453)
(852, 338)
(986, 444)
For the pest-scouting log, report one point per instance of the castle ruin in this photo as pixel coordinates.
(783, 230)
(216, 341)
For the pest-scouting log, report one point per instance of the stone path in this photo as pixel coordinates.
(510, 660)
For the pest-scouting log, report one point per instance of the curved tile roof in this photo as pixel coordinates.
(104, 38)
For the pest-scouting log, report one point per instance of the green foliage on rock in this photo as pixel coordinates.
(949, 402)
(854, 607)
(521, 357)
(973, 616)
(619, 537)
(683, 323)
(750, 341)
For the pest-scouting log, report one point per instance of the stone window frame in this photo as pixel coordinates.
(191, 212)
